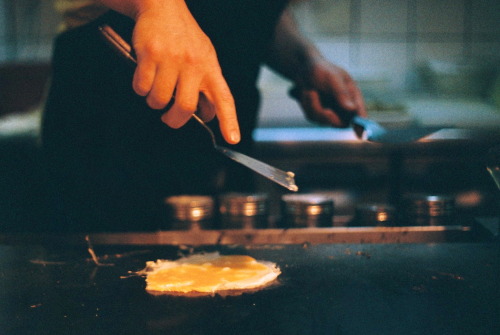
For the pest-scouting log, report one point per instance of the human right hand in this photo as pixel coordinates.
(175, 55)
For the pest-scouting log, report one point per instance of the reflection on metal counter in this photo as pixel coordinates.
(429, 210)
(374, 214)
(244, 210)
(307, 210)
(187, 212)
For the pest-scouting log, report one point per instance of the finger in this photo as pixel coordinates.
(163, 87)
(143, 77)
(315, 111)
(360, 102)
(344, 94)
(218, 92)
(186, 101)
(206, 110)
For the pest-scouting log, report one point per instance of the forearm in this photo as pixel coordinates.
(133, 8)
(326, 92)
(126, 7)
(290, 50)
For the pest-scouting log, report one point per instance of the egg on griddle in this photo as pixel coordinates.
(209, 273)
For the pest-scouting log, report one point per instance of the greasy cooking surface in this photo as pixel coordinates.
(325, 289)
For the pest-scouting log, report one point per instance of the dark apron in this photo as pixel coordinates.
(111, 161)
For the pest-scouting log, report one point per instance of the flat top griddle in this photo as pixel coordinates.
(448, 288)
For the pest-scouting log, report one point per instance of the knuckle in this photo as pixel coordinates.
(190, 58)
(175, 56)
(225, 99)
(153, 49)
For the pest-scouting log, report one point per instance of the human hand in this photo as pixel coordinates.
(175, 55)
(328, 94)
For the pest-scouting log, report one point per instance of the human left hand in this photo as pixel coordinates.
(328, 94)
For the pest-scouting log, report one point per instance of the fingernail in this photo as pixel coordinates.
(350, 104)
(234, 136)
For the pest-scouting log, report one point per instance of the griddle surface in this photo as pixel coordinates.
(323, 289)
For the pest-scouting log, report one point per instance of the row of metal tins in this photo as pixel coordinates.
(251, 211)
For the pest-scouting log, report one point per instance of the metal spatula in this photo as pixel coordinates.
(370, 130)
(283, 178)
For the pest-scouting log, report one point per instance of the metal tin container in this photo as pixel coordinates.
(374, 214)
(429, 210)
(187, 212)
(243, 210)
(307, 210)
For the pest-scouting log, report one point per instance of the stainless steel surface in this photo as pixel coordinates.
(283, 178)
(256, 237)
(429, 209)
(190, 212)
(307, 210)
(244, 210)
(374, 132)
(247, 204)
(430, 205)
(370, 130)
(374, 214)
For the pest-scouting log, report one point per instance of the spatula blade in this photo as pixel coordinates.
(403, 135)
(283, 178)
(374, 132)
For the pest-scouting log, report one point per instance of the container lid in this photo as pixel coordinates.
(375, 213)
(243, 204)
(190, 207)
(430, 205)
(308, 204)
